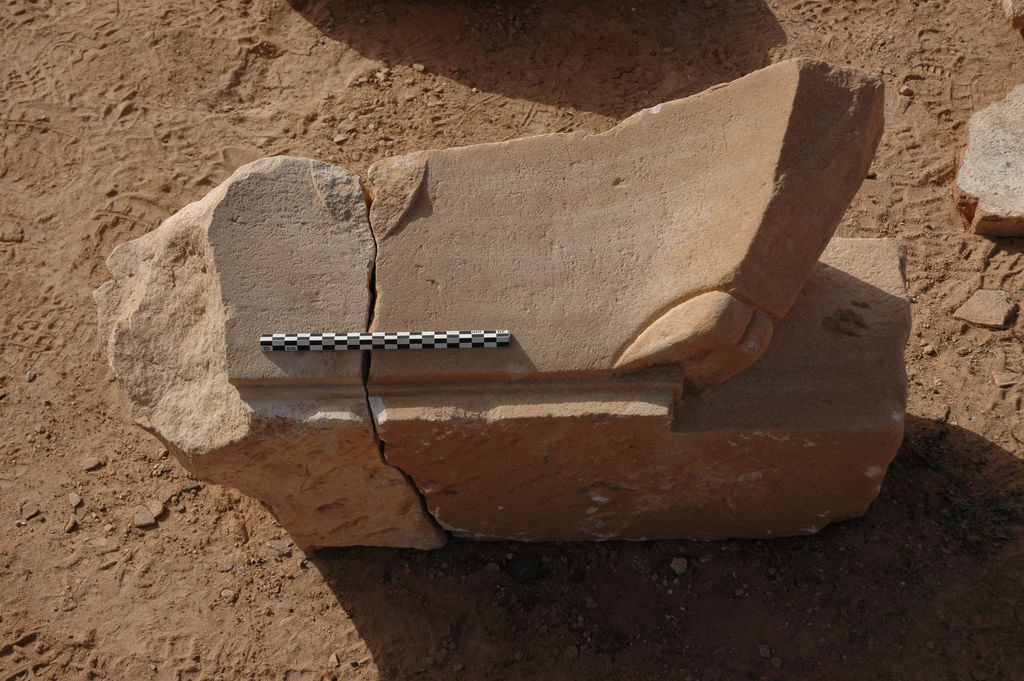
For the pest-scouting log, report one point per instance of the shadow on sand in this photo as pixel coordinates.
(937, 560)
(607, 57)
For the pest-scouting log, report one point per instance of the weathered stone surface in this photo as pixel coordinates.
(801, 438)
(990, 308)
(1015, 12)
(283, 244)
(638, 270)
(990, 182)
(143, 517)
(679, 236)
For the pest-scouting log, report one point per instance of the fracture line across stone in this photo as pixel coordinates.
(384, 340)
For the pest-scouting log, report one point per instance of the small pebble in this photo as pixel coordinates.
(764, 650)
(928, 350)
(180, 508)
(419, 67)
(191, 487)
(71, 525)
(492, 567)
(224, 566)
(156, 507)
(229, 595)
(906, 91)
(28, 511)
(776, 662)
(91, 463)
(108, 528)
(74, 500)
(679, 565)
(1004, 379)
(333, 661)
(144, 517)
(279, 548)
(30, 376)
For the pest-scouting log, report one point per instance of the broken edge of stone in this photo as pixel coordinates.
(166, 325)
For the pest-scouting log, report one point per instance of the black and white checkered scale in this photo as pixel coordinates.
(384, 340)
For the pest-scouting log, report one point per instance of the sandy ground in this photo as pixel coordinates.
(116, 113)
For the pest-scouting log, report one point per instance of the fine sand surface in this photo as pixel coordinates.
(116, 113)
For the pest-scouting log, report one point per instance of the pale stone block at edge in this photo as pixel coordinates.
(989, 187)
(801, 438)
(1014, 10)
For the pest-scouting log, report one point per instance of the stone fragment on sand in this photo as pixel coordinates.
(30, 376)
(989, 308)
(1005, 379)
(143, 517)
(91, 463)
(679, 565)
(102, 545)
(282, 245)
(608, 252)
(229, 596)
(1014, 10)
(11, 234)
(29, 511)
(74, 499)
(155, 507)
(278, 548)
(642, 271)
(990, 183)
(71, 525)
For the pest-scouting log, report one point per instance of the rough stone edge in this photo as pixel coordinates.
(235, 420)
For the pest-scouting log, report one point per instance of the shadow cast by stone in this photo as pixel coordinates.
(941, 548)
(607, 57)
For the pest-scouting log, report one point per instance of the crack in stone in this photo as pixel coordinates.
(368, 199)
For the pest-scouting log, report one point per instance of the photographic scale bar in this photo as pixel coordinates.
(384, 340)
